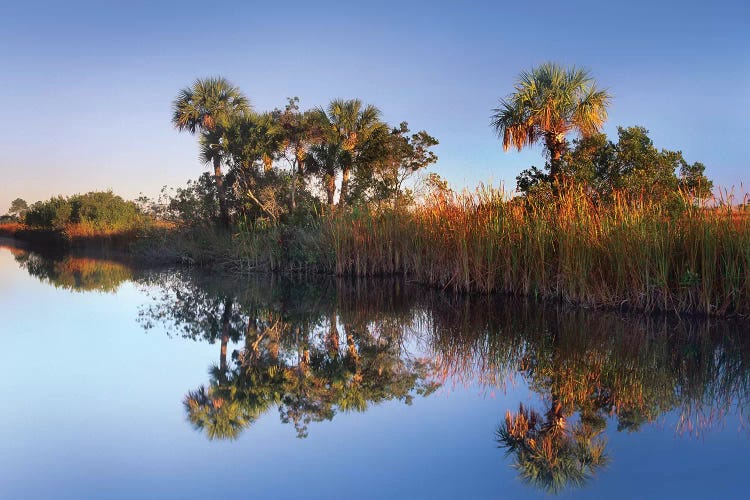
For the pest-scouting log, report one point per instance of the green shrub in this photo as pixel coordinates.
(103, 211)
(51, 214)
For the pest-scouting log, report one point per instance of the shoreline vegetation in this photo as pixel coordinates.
(633, 255)
(335, 190)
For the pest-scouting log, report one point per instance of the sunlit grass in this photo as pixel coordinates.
(634, 254)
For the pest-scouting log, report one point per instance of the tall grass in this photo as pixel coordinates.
(632, 254)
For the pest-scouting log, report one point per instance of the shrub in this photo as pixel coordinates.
(100, 211)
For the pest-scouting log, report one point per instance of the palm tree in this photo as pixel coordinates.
(548, 103)
(350, 124)
(327, 160)
(209, 106)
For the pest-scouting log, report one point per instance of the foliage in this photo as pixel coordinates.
(632, 166)
(18, 208)
(100, 211)
(393, 159)
(356, 129)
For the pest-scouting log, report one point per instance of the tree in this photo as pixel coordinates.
(18, 208)
(632, 165)
(254, 143)
(693, 180)
(350, 124)
(550, 102)
(299, 131)
(390, 160)
(326, 160)
(208, 107)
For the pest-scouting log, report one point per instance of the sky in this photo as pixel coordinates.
(86, 87)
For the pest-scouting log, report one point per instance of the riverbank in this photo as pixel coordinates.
(631, 255)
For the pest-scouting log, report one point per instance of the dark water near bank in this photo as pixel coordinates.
(124, 383)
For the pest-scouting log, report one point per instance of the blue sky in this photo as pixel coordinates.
(86, 88)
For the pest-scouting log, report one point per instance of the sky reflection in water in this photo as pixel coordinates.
(116, 386)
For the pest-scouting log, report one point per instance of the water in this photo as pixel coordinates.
(126, 383)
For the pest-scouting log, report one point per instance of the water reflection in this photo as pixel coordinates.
(75, 273)
(313, 348)
(309, 350)
(590, 368)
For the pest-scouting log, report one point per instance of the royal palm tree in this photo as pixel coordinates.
(549, 102)
(350, 124)
(208, 107)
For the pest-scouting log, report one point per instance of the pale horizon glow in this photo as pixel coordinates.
(87, 87)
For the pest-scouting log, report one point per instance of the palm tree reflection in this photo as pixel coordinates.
(549, 453)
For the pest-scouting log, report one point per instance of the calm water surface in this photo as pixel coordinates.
(123, 383)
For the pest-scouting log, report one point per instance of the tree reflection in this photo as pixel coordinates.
(315, 349)
(75, 273)
(550, 454)
(310, 350)
(589, 367)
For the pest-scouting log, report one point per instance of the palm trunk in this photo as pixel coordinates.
(294, 187)
(333, 335)
(225, 317)
(556, 146)
(330, 188)
(346, 173)
(221, 192)
(299, 158)
(555, 163)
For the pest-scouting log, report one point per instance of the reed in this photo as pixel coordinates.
(630, 254)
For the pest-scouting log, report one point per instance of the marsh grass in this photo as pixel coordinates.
(629, 254)
(632, 254)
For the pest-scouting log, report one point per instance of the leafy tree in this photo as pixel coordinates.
(549, 102)
(693, 180)
(18, 208)
(208, 107)
(101, 210)
(632, 165)
(254, 143)
(391, 160)
(299, 131)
